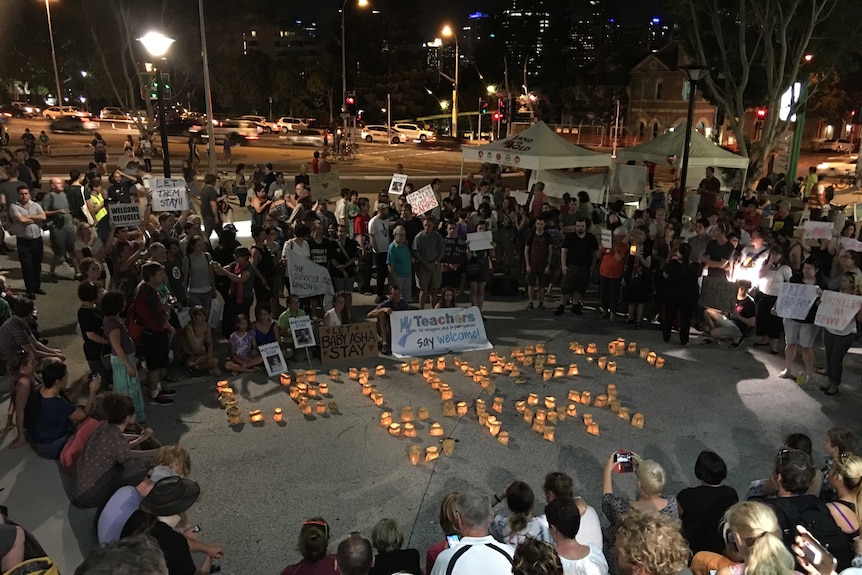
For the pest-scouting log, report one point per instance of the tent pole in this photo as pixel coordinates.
(460, 179)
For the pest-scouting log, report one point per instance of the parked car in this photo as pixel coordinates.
(53, 112)
(113, 113)
(266, 126)
(304, 137)
(10, 111)
(32, 110)
(414, 132)
(379, 134)
(73, 125)
(838, 166)
(178, 127)
(286, 124)
(833, 145)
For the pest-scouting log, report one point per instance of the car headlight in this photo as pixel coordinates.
(823, 166)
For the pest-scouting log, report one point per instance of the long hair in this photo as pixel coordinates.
(849, 469)
(519, 498)
(757, 526)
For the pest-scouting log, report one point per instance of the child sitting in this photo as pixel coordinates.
(243, 349)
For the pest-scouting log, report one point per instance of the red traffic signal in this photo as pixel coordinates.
(761, 113)
(350, 100)
(497, 116)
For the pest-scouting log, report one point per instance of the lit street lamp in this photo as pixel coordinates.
(695, 73)
(361, 4)
(447, 31)
(54, 58)
(157, 45)
(491, 89)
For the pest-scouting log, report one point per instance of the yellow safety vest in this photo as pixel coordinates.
(99, 202)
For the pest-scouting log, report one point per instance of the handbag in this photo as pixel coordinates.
(216, 312)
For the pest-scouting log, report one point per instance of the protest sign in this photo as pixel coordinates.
(125, 215)
(325, 184)
(819, 230)
(396, 186)
(608, 239)
(851, 244)
(437, 331)
(795, 300)
(351, 341)
(302, 332)
(273, 359)
(718, 293)
(837, 310)
(308, 278)
(480, 241)
(169, 195)
(422, 200)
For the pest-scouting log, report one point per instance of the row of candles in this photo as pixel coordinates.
(618, 348)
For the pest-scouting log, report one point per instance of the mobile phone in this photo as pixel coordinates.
(93, 375)
(815, 553)
(623, 462)
(196, 528)
(452, 540)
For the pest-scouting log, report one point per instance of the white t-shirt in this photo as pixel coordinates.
(378, 228)
(771, 280)
(593, 564)
(590, 532)
(479, 558)
(334, 318)
(502, 532)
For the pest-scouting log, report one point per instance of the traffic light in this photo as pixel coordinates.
(497, 116)
(503, 107)
(350, 103)
(856, 116)
(761, 113)
(483, 105)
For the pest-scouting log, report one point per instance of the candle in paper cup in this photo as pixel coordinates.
(515, 373)
(533, 399)
(550, 402)
(461, 408)
(612, 388)
(492, 358)
(574, 396)
(612, 367)
(234, 418)
(541, 414)
(432, 452)
(441, 363)
(311, 375)
(615, 405)
(405, 368)
(483, 418)
(551, 417)
(409, 429)
(591, 348)
(300, 376)
(528, 415)
(659, 362)
(530, 350)
(395, 429)
(551, 359)
(601, 400)
(321, 408)
(588, 418)
(638, 420)
(559, 372)
(415, 454)
(503, 438)
(480, 406)
(423, 413)
(449, 409)
(380, 371)
(593, 429)
(448, 446)
(633, 347)
(585, 398)
(498, 405)
(284, 378)
(378, 401)
(323, 388)
(572, 410)
(579, 350)
(385, 419)
(547, 375)
(407, 413)
(602, 362)
(643, 352)
(436, 430)
(520, 405)
(651, 358)
(548, 434)
(540, 348)
(305, 408)
(538, 425)
(334, 374)
(434, 382)
(353, 373)
(561, 413)
(256, 416)
(363, 379)
(623, 413)
(445, 391)
(497, 369)
(493, 425)
(365, 371)
(414, 366)
(277, 415)
(366, 388)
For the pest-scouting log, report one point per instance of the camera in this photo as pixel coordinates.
(623, 462)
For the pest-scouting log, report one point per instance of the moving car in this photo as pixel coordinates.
(236, 130)
(304, 137)
(73, 125)
(113, 113)
(838, 166)
(286, 124)
(443, 143)
(266, 126)
(834, 145)
(53, 112)
(379, 134)
(10, 111)
(414, 132)
(31, 110)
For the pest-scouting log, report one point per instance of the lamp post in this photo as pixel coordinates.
(54, 57)
(157, 45)
(211, 149)
(361, 4)
(447, 31)
(695, 74)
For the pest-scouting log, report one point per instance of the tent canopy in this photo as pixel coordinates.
(537, 148)
(558, 183)
(703, 153)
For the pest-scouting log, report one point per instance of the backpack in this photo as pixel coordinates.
(811, 513)
(830, 193)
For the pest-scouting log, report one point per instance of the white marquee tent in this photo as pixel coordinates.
(703, 152)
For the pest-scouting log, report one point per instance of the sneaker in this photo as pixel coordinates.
(530, 306)
(168, 392)
(160, 400)
(560, 310)
(738, 343)
(785, 374)
(576, 309)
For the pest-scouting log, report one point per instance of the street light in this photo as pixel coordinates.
(447, 31)
(361, 4)
(491, 89)
(695, 73)
(54, 58)
(157, 45)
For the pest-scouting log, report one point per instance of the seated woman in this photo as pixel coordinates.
(265, 329)
(449, 526)
(312, 545)
(24, 384)
(564, 520)
(845, 477)
(534, 557)
(751, 529)
(650, 480)
(701, 508)
(57, 416)
(244, 356)
(636, 548)
(559, 486)
(520, 523)
(176, 457)
(339, 314)
(391, 558)
(198, 343)
(448, 299)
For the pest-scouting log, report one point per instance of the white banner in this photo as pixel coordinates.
(851, 244)
(837, 310)
(308, 278)
(302, 332)
(396, 186)
(422, 200)
(325, 185)
(125, 215)
(480, 241)
(608, 239)
(795, 300)
(169, 195)
(437, 331)
(818, 230)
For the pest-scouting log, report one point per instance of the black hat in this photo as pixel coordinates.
(171, 496)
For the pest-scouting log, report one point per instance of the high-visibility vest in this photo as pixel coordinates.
(98, 201)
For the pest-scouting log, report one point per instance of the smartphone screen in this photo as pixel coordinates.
(623, 463)
(452, 540)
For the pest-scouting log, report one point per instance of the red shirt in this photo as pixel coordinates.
(610, 267)
(323, 566)
(360, 224)
(315, 166)
(149, 310)
(433, 552)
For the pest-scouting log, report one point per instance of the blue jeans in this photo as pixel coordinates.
(50, 450)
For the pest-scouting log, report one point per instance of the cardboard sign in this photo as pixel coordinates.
(396, 186)
(422, 200)
(326, 184)
(718, 293)
(308, 278)
(480, 241)
(795, 300)
(169, 195)
(837, 310)
(437, 331)
(819, 230)
(608, 239)
(352, 341)
(851, 244)
(273, 359)
(302, 332)
(125, 215)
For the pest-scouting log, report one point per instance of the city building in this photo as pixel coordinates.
(290, 39)
(523, 26)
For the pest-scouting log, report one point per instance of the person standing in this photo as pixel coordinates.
(400, 268)
(100, 153)
(681, 292)
(157, 330)
(343, 258)
(378, 233)
(708, 189)
(428, 251)
(578, 254)
(60, 226)
(27, 217)
(537, 254)
(210, 211)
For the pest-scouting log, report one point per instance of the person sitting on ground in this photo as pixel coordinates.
(520, 523)
(839, 440)
(16, 334)
(265, 329)
(339, 314)
(559, 486)
(354, 555)
(159, 517)
(751, 530)
(382, 312)
(701, 508)
(650, 544)
(108, 461)
(391, 558)
(447, 299)
(176, 457)
(293, 310)
(138, 555)
(564, 520)
(244, 357)
(312, 545)
(477, 551)
(845, 479)
(534, 557)
(198, 343)
(448, 524)
(24, 385)
(650, 479)
(736, 325)
(125, 501)
(57, 416)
